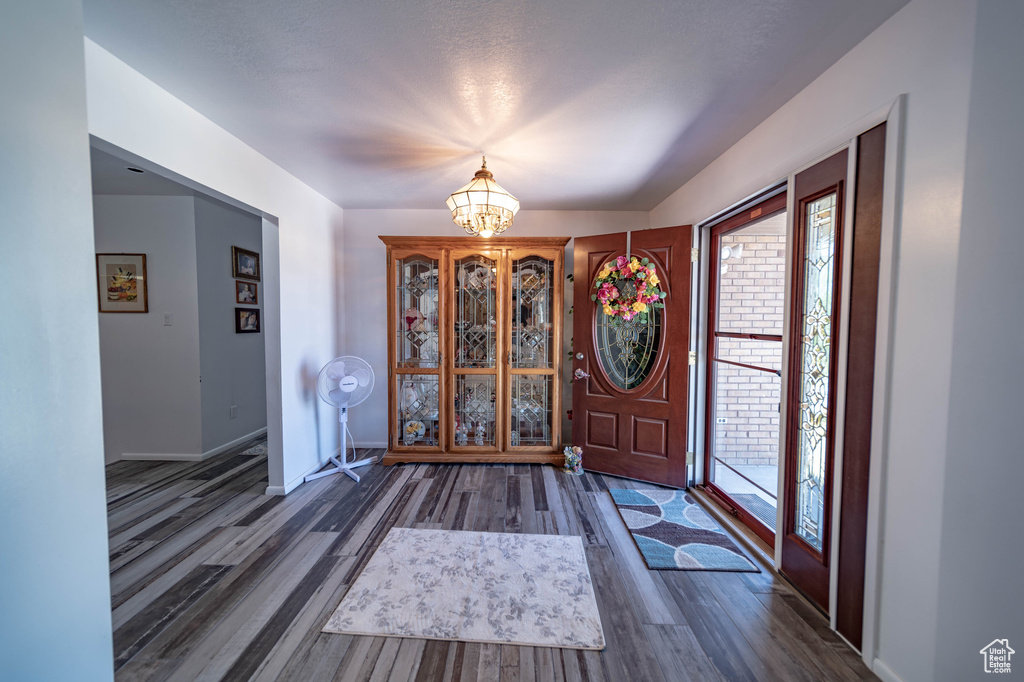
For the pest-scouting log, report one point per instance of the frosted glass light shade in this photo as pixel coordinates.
(482, 207)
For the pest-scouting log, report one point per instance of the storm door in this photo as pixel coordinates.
(747, 282)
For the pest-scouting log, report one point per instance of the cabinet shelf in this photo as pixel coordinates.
(475, 331)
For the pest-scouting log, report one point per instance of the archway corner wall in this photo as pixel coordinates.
(130, 114)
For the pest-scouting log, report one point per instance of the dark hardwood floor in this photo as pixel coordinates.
(213, 580)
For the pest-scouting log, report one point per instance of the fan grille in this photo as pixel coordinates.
(345, 381)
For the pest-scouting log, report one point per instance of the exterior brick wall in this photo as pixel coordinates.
(751, 300)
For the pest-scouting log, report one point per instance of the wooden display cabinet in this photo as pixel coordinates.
(474, 349)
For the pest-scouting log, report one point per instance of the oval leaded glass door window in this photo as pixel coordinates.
(627, 350)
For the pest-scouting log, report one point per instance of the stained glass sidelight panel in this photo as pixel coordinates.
(417, 409)
(531, 409)
(474, 409)
(475, 312)
(814, 366)
(627, 349)
(531, 312)
(417, 336)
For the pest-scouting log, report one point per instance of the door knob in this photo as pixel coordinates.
(579, 356)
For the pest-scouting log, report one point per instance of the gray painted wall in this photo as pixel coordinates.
(151, 369)
(54, 582)
(980, 592)
(233, 366)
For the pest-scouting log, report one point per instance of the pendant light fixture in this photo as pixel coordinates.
(482, 207)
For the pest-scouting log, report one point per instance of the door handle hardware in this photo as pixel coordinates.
(579, 356)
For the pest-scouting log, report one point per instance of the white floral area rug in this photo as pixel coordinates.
(507, 588)
(258, 449)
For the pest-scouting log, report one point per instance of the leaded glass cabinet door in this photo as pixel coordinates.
(812, 380)
(534, 340)
(416, 350)
(476, 294)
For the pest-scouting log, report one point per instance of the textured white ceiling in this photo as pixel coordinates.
(579, 104)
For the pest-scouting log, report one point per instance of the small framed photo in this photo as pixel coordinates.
(247, 321)
(245, 264)
(121, 282)
(247, 293)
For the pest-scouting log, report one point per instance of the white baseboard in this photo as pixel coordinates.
(884, 672)
(190, 457)
(296, 482)
(162, 456)
(238, 441)
(370, 444)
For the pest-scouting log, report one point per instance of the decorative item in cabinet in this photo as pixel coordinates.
(475, 351)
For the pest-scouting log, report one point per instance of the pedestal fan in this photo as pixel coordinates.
(343, 383)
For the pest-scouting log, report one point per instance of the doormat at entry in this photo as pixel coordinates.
(673, 532)
(756, 505)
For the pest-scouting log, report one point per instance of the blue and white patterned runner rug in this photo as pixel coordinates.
(673, 532)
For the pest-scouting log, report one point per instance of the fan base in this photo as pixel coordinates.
(339, 468)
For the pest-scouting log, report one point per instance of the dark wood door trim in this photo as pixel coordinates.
(860, 375)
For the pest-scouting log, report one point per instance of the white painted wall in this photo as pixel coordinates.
(54, 581)
(925, 50)
(365, 280)
(233, 366)
(150, 370)
(133, 114)
(980, 595)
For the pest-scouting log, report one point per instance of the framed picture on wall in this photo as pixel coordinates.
(121, 282)
(245, 264)
(247, 292)
(247, 321)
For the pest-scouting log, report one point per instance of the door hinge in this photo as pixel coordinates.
(693, 357)
(694, 255)
(689, 459)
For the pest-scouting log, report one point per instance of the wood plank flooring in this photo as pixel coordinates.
(212, 580)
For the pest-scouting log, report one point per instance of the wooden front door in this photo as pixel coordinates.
(630, 403)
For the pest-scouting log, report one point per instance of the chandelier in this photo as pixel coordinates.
(482, 207)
